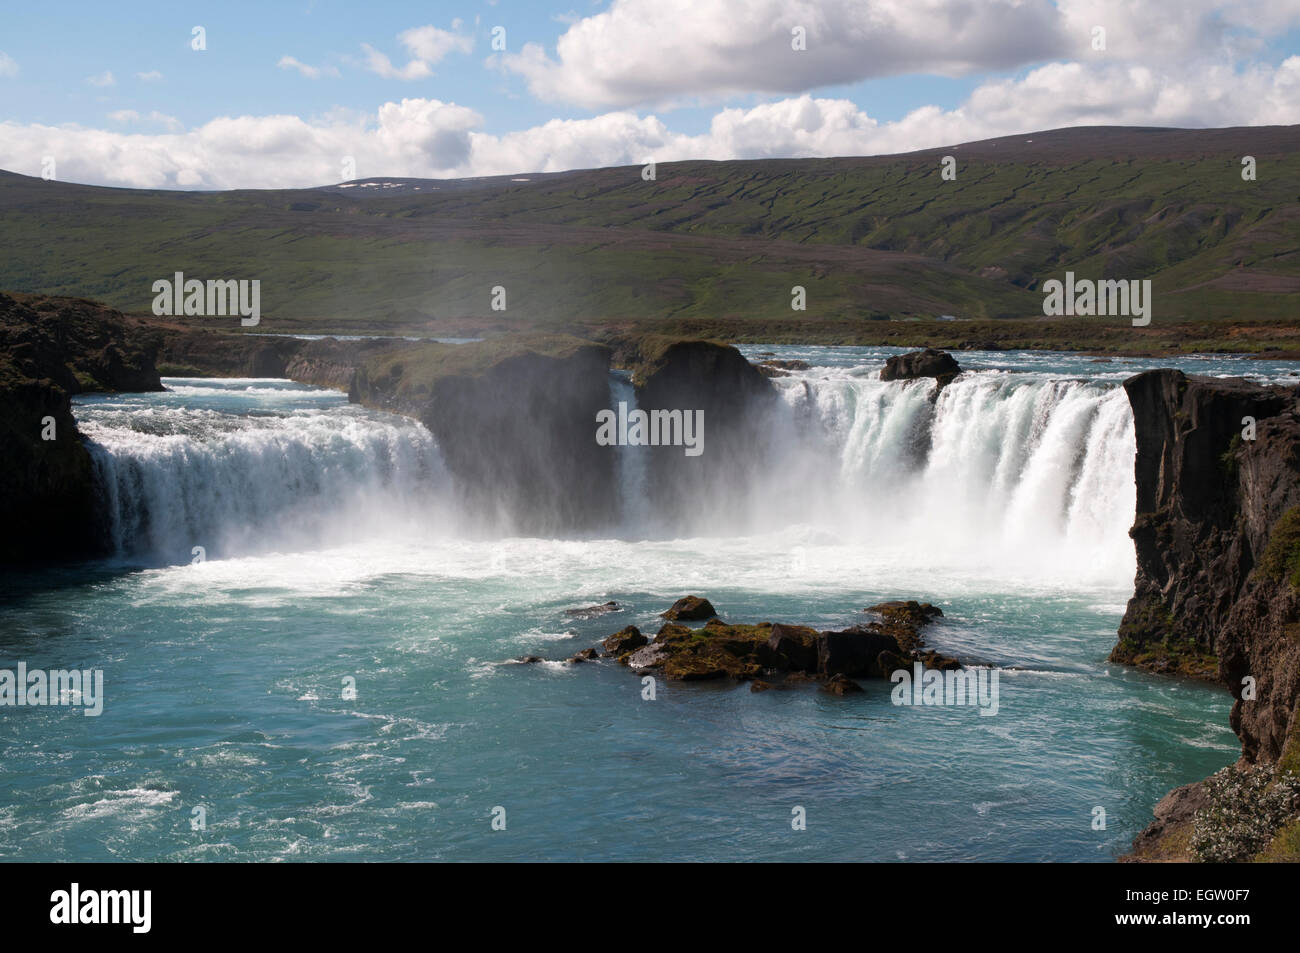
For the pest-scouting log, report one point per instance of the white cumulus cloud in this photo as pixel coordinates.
(432, 138)
(661, 51)
(668, 52)
(131, 115)
(1206, 67)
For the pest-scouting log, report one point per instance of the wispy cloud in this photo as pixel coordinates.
(153, 76)
(304, 69)
(378, 62)
(426, 45)
(8, 65)
(102, 79)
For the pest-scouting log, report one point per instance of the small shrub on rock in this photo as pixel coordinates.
(1247, 807)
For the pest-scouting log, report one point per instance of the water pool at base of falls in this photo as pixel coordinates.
(331, 556)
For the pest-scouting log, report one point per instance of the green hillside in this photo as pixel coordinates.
(869, 238)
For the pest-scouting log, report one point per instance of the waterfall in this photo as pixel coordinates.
(1022, 470)
(635, 517)
(175, 477)
(996, 466)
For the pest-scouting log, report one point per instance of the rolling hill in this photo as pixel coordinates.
(707, 243)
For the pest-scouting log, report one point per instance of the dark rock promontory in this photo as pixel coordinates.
(516, 422)
(51, 349)
(736, 404)
(1217, 538)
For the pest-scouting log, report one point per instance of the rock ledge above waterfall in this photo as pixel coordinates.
(940, 365)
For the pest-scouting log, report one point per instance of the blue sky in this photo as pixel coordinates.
(118, 93)
(237, 73)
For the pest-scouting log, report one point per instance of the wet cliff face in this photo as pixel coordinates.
(1261, 637)
(1213, 595)
(47, 499)
(516, 424)
(735, 403)
(50, 349)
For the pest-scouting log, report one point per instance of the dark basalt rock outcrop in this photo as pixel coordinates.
(781, 368)
(795, 646)
(196, 352)
(927, 363)
(855, 652)
(778, 651)
(516, 422)
(326, 362)
(740, 435)
(624, 641)
(51, 349)
(594, 612)
(690, 609)
(1206, 504)
(1217, 537)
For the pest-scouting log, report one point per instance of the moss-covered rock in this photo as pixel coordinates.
(715, 651)
(904, 619)
(690, 609)
(780, 651)
(624, 641)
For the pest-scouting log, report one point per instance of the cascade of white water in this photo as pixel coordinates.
(996, 468)
(1001, 466)
(177, 477)
(630, 466)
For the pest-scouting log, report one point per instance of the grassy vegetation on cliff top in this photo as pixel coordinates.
(418, 367)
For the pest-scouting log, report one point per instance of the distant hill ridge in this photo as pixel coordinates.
(867, 237)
